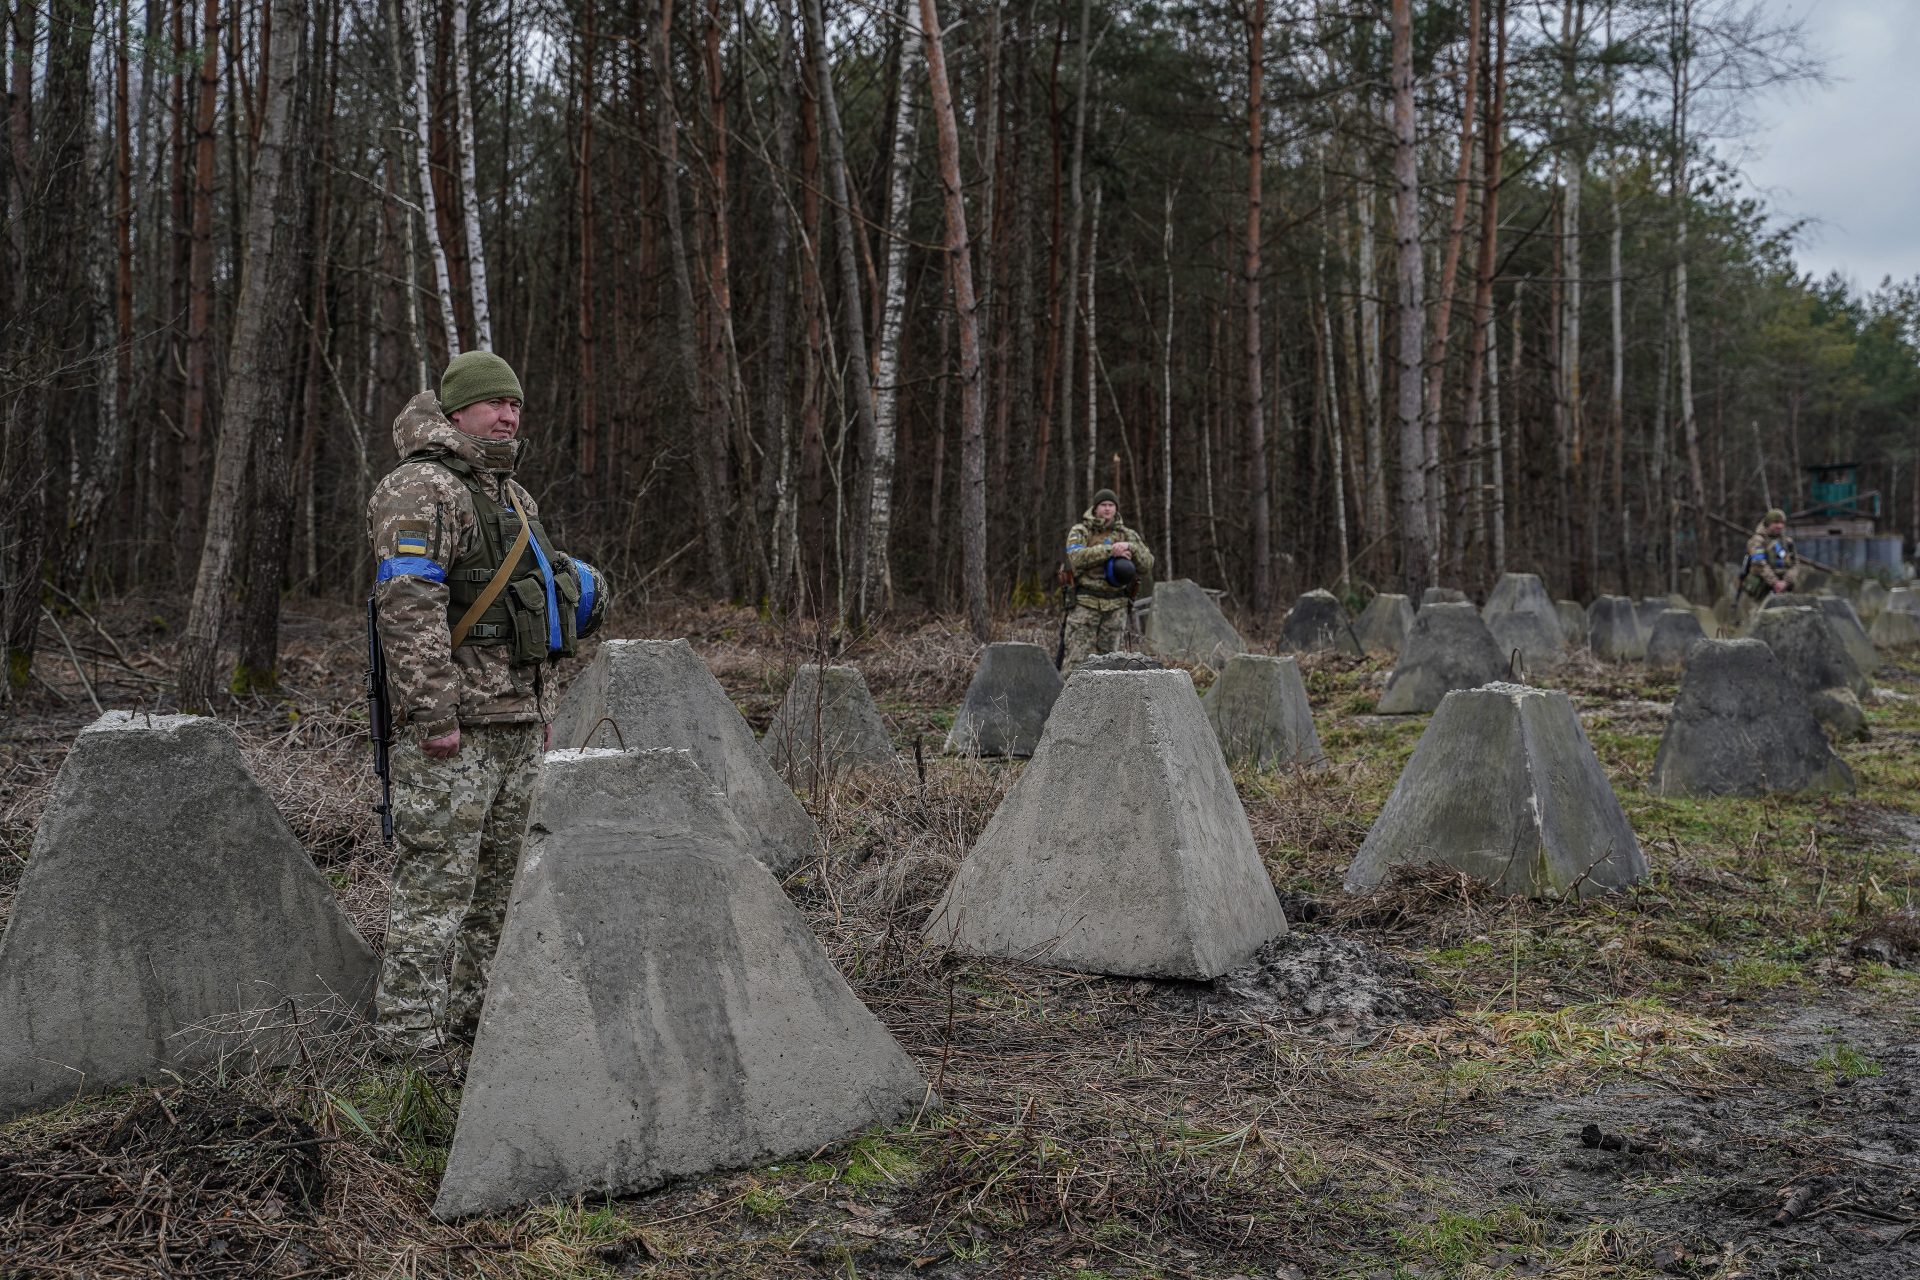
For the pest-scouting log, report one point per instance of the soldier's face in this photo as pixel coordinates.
(489, 419)
(1106, 511)
(1776, 528)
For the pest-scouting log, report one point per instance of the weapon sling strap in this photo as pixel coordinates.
(496, 585)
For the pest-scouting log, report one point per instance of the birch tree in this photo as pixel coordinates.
(876, 587)
(423, 164)
(470, 183)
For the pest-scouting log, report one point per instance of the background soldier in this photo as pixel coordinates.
(1770, 559)
(1097, 620)
(475, 604)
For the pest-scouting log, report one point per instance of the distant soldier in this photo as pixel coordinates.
(1107, 559)
(1770, 559)
(475, 604)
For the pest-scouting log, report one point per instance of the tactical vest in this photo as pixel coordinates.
(518, 615)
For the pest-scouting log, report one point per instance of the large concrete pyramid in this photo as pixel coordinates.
(1259, 711)
(1869, 598)
(1895, 629)
(1847, 629)
(1813, 657)
(658, 1008)
(827, 724)
(1384, 623)
(1505, 787)
(1449, 648)
(1523, 593)
(1185, 624)
(1541, 643)
(1122, 849)
(1740, 727)
(1674, 632)
(1318, 623)
(1443, 595)
(1007, 702)
(163, 890)
(660, 694)
(1614, 633)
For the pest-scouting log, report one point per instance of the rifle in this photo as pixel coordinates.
(379, 720)
(1063, 577)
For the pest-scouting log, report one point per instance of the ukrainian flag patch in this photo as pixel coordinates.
(410, 543)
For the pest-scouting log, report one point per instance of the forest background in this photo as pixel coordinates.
(845, 309)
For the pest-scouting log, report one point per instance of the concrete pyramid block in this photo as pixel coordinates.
(827, 724)
(1504, 786)
(1259, 711)
(163, 890)
(1318, 623)
(1851, 634)
(660, 694)
(658, 1008)
(1007, 702)
(1573, 622)
(1740, 728)
(1869, 600)
(1903, 600)
(1186, 625)
(1522, 593)
(1540, 642)
(1155, 875)
(1442, 595)
(1614, 632)
(1384, 623)
(1648, 609)
(1449, 648)
(1895, 631)
(1814, 659)
(1674, 632)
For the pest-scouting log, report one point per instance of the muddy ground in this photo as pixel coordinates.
(1710, 1075)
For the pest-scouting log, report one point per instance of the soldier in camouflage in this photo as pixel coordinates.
(1770, 560)
(1097, 621)
(475, 605)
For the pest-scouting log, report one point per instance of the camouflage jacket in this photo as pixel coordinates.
(420, 520)
(1769, 558)
(1087, 556)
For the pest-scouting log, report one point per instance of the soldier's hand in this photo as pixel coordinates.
(444, 747)
(546, 743)
(1778, 587)
(1123, 549)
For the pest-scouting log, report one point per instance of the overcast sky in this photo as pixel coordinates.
(1848, 156)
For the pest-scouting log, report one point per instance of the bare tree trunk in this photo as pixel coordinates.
(876, 586)
(852, 315)
(470, 184)
(666, 142)
(784, 553)
(1370, 356)
(1093, 348)
(1165, 562)
(429, 208)
(973, 452)
(1680, 188)
(1483, 364)
(258, 393)
(200, 285)
(1436, 365)
(1261, 515)
(1616, 389)
(1414, 523)
(1069, 321)
(585, 333)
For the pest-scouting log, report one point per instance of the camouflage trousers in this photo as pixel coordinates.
(1092, 630)
(459, 825)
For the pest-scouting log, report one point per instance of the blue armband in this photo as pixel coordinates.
(410, 567)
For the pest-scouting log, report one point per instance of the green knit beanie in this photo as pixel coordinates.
(473, 376)
(1775, 516)
(1105, 495)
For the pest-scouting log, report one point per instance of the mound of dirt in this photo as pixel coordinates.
(1330, 983)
